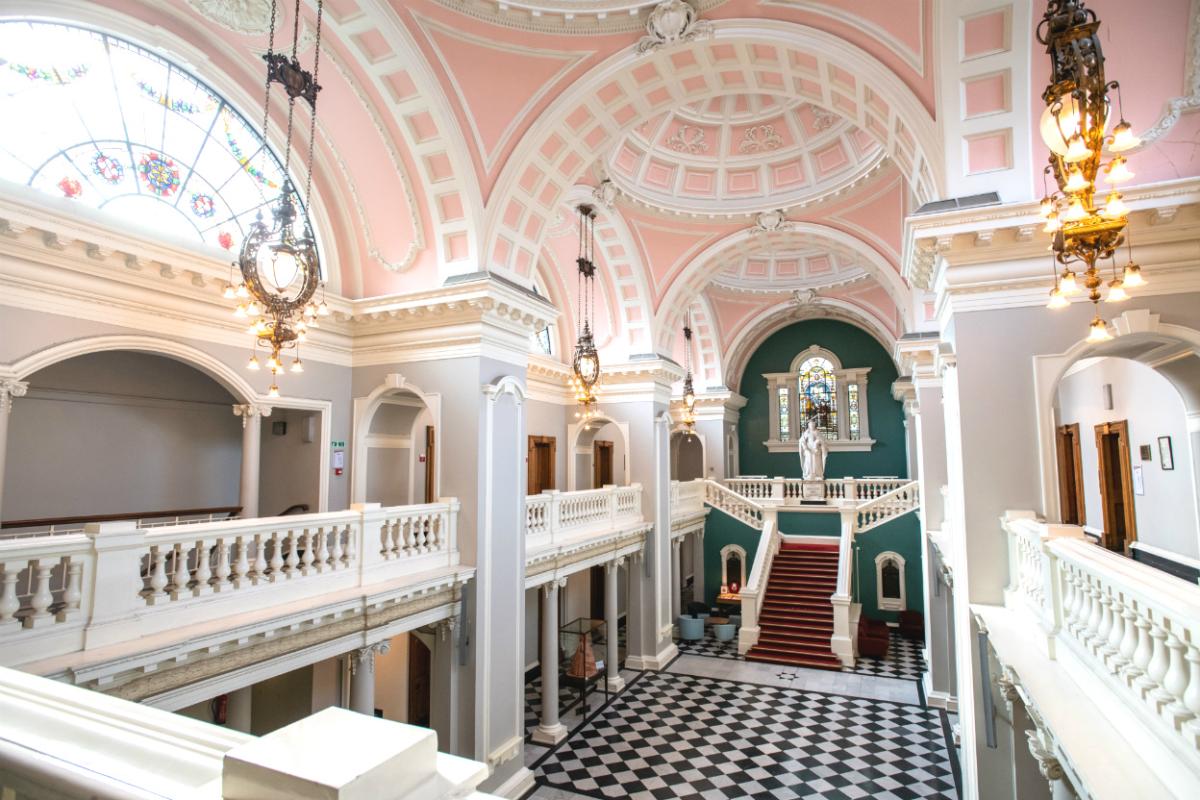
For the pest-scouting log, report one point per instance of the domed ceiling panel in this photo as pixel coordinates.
(741, 153)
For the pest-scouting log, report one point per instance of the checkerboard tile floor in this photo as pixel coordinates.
(903, 661)
(672, 736)
(567, 698)
(709, 646)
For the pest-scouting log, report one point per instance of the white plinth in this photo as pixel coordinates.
(337, 753)
(812, 491)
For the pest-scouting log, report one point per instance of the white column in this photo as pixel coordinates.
(8, 390)
(251, 446)
(362, 677)
(612, 658)
(676, 579)
(550, 730)
(443, 685)
(238, 712)
(698, 593)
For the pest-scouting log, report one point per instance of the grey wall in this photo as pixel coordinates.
(118, 432)
(24, 332)
(1166, 513)
(289, 467)
(550, 419)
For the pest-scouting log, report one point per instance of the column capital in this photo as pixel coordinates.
(445, 628)
(248, 410)
(364, 657)
(614, 563)
(1041, 747)
(10, 388)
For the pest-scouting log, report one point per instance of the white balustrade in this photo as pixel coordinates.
(734, 504)
(117, 582)
(873, 512)
(551, 516)
(790, 491)
(755, 591)
(1136, 627)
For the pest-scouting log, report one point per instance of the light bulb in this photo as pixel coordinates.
(1114, 206)
(1054, 127)
(1075, 212)
(253, 330)
(1052, 223)
(240, 311)
(273, 363)
(1123, 138)
(301, 337)
(1116, 291)
(310, 310)
(1098, 331)
(228, 294)
(1133, 276)
(241, 291)
(1075, 181)
(1077, 150)
(1068, 284)
(1118, 172)
(252, 364)
(252, 309)
(278, 265)
(1047, 208)
(1056, 299)
(323, 309)
(297, 366)
(273, 391)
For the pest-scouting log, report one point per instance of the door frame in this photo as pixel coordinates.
(1121, 430)
(531, 461)
(1064, 432)
(597, 446)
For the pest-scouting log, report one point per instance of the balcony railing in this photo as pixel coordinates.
(117, 582)
(551, 518)
(1133, 627)
(789, 491)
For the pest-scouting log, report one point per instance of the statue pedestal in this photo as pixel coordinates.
(812, 491)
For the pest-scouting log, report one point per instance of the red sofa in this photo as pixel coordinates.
(873, 638)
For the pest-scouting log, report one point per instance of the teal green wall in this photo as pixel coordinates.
(855, 348)
(721, 529)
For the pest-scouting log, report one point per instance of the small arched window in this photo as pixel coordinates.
(118, 128)
(889, 582)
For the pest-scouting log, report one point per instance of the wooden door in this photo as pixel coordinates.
(602, 464)
(540, 460)
(430, 473)
(1116, 485)
(418, 682)
(597, 597)
(1070, 475)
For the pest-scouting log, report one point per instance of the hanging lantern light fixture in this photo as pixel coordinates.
(1085, 229)
(279, 265)
(585, 366)
(689, 390)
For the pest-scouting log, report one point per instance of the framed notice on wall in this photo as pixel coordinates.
(1139, 485)
(1166, 458)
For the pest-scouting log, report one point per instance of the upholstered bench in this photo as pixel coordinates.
(691, 628)
(724, 633)
(873, 638)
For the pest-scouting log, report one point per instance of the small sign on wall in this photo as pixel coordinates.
(339, 462)
(1139, 485)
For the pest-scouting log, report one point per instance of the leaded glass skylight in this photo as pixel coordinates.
(116, 127)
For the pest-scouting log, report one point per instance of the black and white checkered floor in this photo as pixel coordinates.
(672, 735)
(709, 646)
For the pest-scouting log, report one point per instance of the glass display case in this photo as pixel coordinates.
(582, 644)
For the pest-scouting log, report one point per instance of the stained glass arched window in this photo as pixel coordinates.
(116, 127)
(818, 395)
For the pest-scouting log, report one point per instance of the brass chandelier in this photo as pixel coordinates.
(1075, 128)
(279, 265)
(689, 391)
(585, 366)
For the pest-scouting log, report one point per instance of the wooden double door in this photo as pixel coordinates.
(1114, 473)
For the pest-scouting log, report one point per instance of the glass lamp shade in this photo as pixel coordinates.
(1057, 129)
(1116, 291)
(278, 266)
(1123, 138)
(1057, 300)
(1098, 331)
(1133, 276)
(588, 367)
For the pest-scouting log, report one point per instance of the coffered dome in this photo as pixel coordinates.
(741, 153)
(771, 264)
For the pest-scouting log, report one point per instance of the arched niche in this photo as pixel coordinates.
(689, 454)
(583, 438)
(391, 456)
(890, 581)
(733, 566)
(1173, 351)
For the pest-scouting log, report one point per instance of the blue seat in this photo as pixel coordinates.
(691, 628)
(724, 633)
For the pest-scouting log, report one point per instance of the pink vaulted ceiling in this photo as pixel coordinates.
(499, 78)
(1146, 50)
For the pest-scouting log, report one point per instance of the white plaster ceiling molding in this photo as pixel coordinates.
(759, 268)
(900, 24)
(741, 153)
(571, 17)
(1190, 101)
(247, 17)
(673, 22)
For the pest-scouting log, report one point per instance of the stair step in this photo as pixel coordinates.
(832, 663)
(809, 638)
(789, 547)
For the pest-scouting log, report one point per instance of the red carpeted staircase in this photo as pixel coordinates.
(796, 622)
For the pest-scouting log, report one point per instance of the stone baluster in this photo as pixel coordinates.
(9, 604)
(260, 558)
(42, 597)
(1175, 682)
(1106, 620)
(292, 561)
(203, 568)
(1152, 690)
(276, 564)
(241, 563)
(1191, 697)
(351, 550)
(335, 553)
(73, 594)
(306, 541)
(158, 574)
(181, 576)
(223, 571)
(1116, 633)
(322, 549)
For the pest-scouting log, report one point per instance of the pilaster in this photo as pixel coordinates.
(9, 388)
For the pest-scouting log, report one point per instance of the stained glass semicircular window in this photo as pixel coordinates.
(116, 127)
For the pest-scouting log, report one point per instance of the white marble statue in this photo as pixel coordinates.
(813, 451)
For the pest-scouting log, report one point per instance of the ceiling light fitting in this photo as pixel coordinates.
(585, 366)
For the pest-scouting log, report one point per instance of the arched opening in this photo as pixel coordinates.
(1124, 453)
(687, 455)
(889, 582)
(599, 454)
(121, 432)
(733, 568)
(396, 452)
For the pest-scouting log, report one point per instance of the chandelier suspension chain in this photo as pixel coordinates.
(312, 125)
(267, 92)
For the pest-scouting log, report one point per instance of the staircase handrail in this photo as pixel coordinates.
(735, 505)
(754, 592)
(887, 507)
